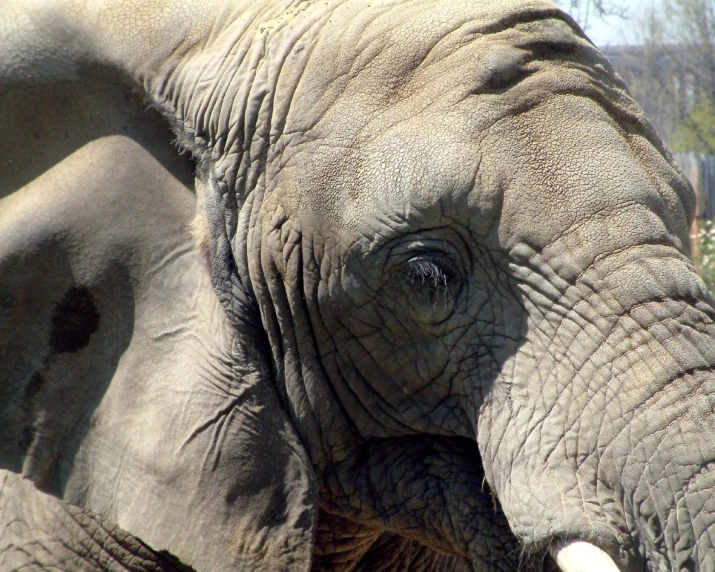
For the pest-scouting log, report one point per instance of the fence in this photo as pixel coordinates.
(700, 169)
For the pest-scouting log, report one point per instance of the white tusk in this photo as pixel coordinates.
(580, 556)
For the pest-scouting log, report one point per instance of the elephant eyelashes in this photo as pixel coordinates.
(434, 300)
(425, 272)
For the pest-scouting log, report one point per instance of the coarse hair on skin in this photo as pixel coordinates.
(188, 142)
(199, 227)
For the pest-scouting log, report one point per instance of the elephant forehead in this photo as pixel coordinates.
(417, 171)
(579, 176)
(368, 57)
(392, 110)
(501, 119)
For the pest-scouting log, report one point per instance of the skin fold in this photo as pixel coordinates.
(342, 285)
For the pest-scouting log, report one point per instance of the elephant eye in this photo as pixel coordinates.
(431, 288)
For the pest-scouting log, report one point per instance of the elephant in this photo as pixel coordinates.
(292, 285)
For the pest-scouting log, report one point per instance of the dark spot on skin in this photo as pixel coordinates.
(74, 321)
(170, 563)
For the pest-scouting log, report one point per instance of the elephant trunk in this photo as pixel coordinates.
(608, 438)
(668, 479)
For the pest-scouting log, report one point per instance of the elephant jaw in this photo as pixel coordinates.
(581, 556)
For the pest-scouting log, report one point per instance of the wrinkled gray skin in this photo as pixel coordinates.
(439, 258)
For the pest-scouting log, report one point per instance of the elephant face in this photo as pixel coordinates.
(467, 253)
(441, 309)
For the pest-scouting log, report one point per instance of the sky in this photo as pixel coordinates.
(614, 30)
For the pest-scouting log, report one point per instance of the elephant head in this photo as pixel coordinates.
(416, 296)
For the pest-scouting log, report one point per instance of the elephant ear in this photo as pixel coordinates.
(124, 390)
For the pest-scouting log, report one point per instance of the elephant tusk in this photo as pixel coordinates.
(580, 556)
